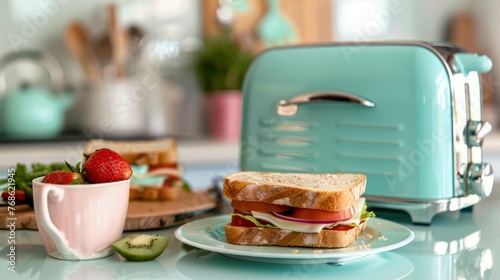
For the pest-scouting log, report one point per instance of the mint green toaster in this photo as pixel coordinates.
(405, 114)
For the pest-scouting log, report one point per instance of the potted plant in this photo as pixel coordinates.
(220, 66)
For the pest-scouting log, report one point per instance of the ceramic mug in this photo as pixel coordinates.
(80, 222)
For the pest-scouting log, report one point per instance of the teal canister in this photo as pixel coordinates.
(31, 112)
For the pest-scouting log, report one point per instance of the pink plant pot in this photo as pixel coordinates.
(224, 115)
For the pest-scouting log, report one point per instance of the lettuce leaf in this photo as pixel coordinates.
(365, 214)
(336, 224)
(253, 220)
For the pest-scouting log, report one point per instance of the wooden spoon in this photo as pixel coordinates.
(77, 41)
(119, 42)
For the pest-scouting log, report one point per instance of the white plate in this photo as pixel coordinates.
(379, 236)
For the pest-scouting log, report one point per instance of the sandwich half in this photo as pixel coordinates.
(295, 209)
(156, 173)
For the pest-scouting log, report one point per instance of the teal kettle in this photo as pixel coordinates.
(32, 112)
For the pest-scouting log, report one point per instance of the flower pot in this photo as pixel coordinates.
(224, 115)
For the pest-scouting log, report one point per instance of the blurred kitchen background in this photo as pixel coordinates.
(129, 66)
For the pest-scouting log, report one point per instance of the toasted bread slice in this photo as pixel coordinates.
(278, 237)
(332, 192)
(153, 152)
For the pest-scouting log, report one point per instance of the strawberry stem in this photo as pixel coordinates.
(78, 167)
(75, 168)
(70, 167)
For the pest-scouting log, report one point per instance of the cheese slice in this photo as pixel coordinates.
(308, 227)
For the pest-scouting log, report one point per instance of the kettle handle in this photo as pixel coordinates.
(44, 59)
(289, 107)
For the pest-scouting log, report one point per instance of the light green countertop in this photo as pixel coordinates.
(458, 245)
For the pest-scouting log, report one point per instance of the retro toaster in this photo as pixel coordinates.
(408, 115)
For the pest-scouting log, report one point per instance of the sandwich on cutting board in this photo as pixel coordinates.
(295, 209)
(156, 171)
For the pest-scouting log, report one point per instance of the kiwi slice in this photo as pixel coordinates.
(141, 247)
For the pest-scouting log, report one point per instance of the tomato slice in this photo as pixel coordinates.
(341, 227)
(241, 222)
(322, 215)
(259, 206)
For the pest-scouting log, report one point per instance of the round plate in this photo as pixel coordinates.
(379, 236)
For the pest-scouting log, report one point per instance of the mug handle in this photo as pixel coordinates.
(49, 192)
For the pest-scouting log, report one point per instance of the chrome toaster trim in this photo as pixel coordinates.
(422, 212)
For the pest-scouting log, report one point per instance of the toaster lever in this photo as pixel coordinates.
(480, 179)
(476, 131)
(289, 108)
(468, 62)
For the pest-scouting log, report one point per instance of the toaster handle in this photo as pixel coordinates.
(468, 62)
(289, 108)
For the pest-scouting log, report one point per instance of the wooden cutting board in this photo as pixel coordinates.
(141, 215)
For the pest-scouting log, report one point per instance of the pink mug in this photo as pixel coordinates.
(80, 222)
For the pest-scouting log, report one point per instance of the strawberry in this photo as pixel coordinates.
(63, 177)
(105, 165)
(19, 195)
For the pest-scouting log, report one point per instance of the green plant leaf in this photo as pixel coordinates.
(23, 177)
(220, 65)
